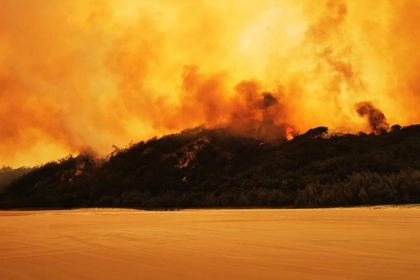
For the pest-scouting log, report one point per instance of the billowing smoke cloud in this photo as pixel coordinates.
(377, 120)
(77, 75)
(268, 100)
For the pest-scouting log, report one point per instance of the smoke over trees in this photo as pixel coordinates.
(375, 116)
(108, 72)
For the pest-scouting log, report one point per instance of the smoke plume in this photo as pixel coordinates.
(81, 75)
(377, 120)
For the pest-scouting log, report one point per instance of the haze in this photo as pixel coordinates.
(81, 76)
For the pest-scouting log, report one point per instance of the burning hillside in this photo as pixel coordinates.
(215, 168)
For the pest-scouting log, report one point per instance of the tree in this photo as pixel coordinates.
(395, 127)
(317, 132)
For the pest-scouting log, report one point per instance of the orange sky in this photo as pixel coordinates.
(80, 75)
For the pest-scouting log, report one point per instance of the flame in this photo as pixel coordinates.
(289, 133)
(79, 76)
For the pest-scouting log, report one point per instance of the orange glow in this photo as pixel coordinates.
(82, 76)
(289, 133)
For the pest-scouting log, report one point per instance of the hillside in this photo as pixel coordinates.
(8, 174)
(215, 168)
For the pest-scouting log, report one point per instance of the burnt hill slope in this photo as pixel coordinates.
(213, 168)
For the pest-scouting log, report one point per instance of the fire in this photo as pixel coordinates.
(77, 75)
(289, 133)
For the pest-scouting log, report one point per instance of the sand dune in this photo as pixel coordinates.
(358, 243)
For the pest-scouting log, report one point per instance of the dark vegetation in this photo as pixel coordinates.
(213, 168)
(8, 174)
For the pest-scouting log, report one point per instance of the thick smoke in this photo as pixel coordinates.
(79, 75)
(268, 100)
(377, 120)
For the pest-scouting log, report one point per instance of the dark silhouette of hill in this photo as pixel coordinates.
(8, 174)
(215, 168)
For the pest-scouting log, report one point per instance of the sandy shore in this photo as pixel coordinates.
(357, 243)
